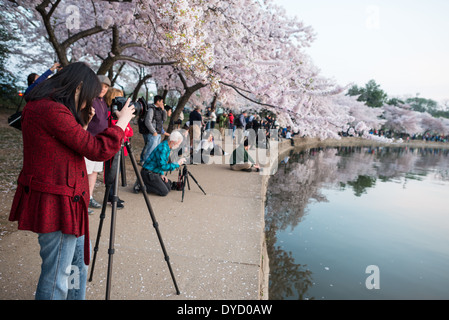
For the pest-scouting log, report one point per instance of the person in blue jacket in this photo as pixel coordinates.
(34, 79)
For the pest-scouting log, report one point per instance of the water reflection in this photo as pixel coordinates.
(301, 181)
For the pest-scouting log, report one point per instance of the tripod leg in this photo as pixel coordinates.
(196, 182)
(188, 182)
(123, 168)
(100, 227)
(185, 179)
(183, 190)
(111, 250)
(150, 210)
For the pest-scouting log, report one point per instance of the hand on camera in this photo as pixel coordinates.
(55, 66)
(181, 161)
(126, 112)
(125, 115)
(91, 113)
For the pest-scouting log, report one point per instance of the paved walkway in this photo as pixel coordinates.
(214, 242)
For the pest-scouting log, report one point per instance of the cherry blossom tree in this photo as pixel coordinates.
(146, 33)
(372, 117)
(220, 49)
(241, 53)
(259, 56)
(264, 62)
(402, 119)
(432, 124)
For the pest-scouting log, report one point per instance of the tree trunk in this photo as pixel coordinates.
(214, 102)
(164, 94)
(139, 85)
(182, 103)
(106, 65)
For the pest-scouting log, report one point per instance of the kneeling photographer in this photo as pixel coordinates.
(157, 164)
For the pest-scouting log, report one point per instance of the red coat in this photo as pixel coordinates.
(231, 118)
(53, 191)
(129, 132)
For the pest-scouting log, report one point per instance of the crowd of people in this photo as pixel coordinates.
(69, 138)
(427, 136)
(197, 142)
(246, 121)
(194, 142)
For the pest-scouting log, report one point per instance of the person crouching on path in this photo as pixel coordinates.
(157, 164)
(241, 161)
(52, 195)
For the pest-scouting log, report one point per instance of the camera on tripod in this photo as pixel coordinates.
(183, 179)
(140, 105)
(112, 184)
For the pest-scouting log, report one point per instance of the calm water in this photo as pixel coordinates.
(332, 213)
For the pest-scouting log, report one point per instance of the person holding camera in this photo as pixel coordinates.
(34, 79)
(52, 195)
(154, 121)
(109, 97)
(154, 168)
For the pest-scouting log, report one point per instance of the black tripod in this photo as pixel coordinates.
(112, 173)
(184, 174)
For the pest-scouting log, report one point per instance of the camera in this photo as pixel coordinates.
(140, 105)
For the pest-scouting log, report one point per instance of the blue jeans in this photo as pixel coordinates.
(63, 272)
(151, 143)
(145, 141)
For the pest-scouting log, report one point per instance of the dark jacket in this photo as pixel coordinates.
(100, 120)
(195, 116)
(240, 155)
(155, 118)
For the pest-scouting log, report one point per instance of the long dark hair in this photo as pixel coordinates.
(62, 87)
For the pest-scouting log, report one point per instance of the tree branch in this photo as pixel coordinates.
(129, 45)
(114, 79)
(115, 47)
(51, 33)
(143, 62)
(236, 89)
(81, 35)
(53, 8)
(183, 80)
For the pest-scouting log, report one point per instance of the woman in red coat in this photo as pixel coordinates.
(52, 195)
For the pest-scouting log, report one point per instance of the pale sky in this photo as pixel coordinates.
(402, 45)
